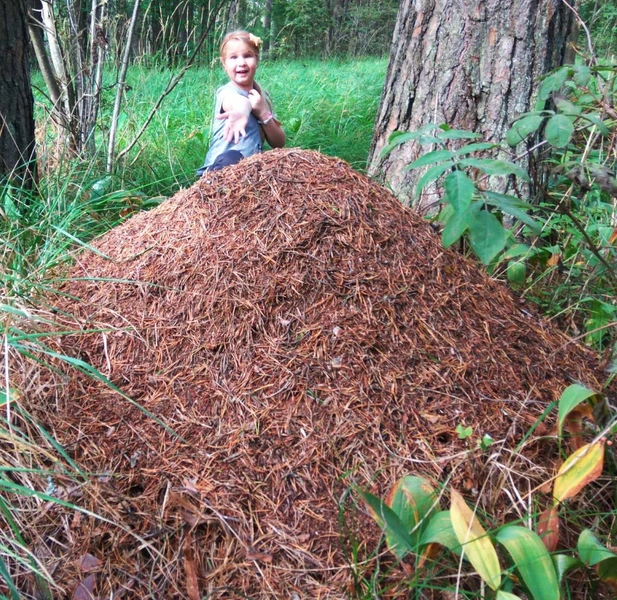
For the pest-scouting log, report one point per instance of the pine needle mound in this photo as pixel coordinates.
(298, 330)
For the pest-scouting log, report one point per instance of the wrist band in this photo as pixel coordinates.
(267, 119)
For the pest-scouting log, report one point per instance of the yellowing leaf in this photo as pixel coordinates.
(582, 467)
(501, 595)
(477, 546)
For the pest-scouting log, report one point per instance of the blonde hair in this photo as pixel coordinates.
(242, 36)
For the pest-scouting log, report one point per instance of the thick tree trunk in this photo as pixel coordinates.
(17, 149)
(473, 64)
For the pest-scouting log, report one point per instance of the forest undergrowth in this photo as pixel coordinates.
(329, 107)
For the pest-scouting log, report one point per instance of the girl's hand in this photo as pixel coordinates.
(259, 106)
(235, 127)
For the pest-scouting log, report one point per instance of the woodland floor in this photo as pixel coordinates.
(280, 331)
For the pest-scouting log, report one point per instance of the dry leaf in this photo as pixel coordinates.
(252, 554)
(89, 562)
(548, 528)
(84, 591)
(192, 583)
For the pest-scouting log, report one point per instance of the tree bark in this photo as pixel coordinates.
(473, 64)
(17, 145)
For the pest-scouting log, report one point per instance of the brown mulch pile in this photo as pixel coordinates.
(299, 330)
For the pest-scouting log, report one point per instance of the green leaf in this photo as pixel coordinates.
(517, 273)
(413, 500)
(469, 148)
(477, 546)
(598, 122)
(457, 134)
(502, 595)
(430, 158)
(582, 467)
(397, 138)
(559, 130)
(514, 207)
(567, 108)
(491, 166)
(591, 551)
(532, 560)
(517, 250)
(6, 576)
(564, 563)
(455, 226)
(607, 571)
(522, 128)
(439, 531)
(552, 83)
(487, 236)
(398, 540)
(582, 75)
(463, 432)
(571, 397)
(432, 174)
(459, 190)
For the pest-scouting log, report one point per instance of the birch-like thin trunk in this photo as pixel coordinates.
(473, 64)
(57, 59)
(120, 90)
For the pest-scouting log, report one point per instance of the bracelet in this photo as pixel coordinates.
(267, 119)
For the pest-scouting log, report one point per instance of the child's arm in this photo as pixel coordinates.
(236, 111)
(271, 127)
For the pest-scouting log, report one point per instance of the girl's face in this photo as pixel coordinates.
(240, 63)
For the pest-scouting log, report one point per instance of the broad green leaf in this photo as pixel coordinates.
(567, 108)
(598, 122)
(582, 75)
(532, 560)
(514, 207)
(430, 158)
(487, 236)
(455, 226)
(398, 539)
(591, 551)
(571, 397)
(522, 128)
(432, 174)
(552, 83)
(413, 500)
(477, 546)
(439, 531)
(517, 273)
(501, 595)
(559, 130)
(459, 190)
(458, 134)
(564, 563)
(492, 166)
(517, 250)
(469, 148)
(397, 138)
(607, 571)
(582, 467)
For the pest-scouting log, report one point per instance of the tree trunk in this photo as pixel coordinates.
(473, 64)
(17, 147)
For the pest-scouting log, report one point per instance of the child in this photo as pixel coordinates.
(243, 115)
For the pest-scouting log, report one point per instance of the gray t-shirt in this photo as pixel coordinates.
(247, 145)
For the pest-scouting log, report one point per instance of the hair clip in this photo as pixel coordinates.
(256, 41)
